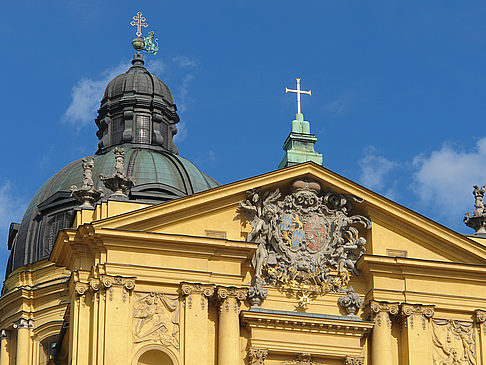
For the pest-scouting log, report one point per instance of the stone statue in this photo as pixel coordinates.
(477, 221)
(119, 182)
(87, 195)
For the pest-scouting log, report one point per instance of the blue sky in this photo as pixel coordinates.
(398, 90)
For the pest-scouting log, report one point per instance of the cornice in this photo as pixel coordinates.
(88, 241)
(302, 323)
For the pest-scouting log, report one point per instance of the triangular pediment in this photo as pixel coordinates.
(395, 230)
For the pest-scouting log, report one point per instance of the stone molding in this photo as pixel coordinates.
(354, 360)
(257, 356)
(23, 323)
(480, 318)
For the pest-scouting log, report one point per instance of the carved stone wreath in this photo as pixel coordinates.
(308, 241)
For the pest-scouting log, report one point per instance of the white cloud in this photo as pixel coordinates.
(156, 67)
(184, 61)
(86, 97)
(12, 207)
(443, 179)
(183, 93)
(181, 132)
(340, 105)
(375, 172)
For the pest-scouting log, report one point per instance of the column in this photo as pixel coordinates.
(229, 324)
(5, 347)
(416, 337)
(381, 338)
(23, 327)
(481, 325)
(196, 322)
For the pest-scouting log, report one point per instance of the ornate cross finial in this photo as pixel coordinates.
(298, 92)
(139, 22)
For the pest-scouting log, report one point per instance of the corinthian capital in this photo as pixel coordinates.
(379, 307)
(257, 356)
(195, 288)
(424, 310)
(23, 323)
(231, 292)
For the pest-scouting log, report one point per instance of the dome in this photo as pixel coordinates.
(138, 114)
(159, 176)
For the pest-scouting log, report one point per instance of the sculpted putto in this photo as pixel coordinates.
(305, 235)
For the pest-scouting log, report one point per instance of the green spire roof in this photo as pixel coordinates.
(299, 145)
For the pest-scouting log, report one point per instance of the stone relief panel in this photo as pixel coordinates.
(309, 241)
(454, 342)
(156, 318)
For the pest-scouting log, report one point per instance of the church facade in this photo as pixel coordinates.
(134, 256)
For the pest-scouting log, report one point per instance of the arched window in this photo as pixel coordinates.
(46, 349)
(154, 357)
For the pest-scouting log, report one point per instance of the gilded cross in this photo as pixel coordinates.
(139, 22)
(298, 92)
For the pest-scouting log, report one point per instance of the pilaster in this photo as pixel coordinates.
(229, 324)
(481, 326)
(416, 338)
(117, 318)
(5, 336)
(23, 327)
(381, 339)
(196, 321)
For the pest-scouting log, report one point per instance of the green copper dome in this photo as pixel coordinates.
(137, 114)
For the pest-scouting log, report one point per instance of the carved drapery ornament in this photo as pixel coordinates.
(156, 318)
(304, 238)
(351, 302)
(454, 342)
(477, 220)
(87, 194)
(257, 356)
(119, 182)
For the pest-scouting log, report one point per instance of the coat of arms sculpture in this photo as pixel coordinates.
(308, 241)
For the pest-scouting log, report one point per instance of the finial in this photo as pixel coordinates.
(298, 92)
(148, 44)
(87, 194)
(119, 182)
(477, 221)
